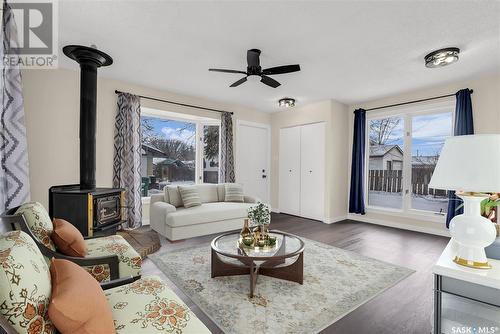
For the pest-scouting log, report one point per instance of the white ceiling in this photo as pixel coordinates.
(350, 51)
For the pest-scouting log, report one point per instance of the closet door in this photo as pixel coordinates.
(312, 180)
(289, 171)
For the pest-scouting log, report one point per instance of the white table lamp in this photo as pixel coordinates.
(470, 165)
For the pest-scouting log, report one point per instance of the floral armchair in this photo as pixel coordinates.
(146, 305)
(108, 258)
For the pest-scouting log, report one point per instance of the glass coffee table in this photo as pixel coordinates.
(285, 260)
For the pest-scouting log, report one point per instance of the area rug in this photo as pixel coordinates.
(144, 240)
(336, 282)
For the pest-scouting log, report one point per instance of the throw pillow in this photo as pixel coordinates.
(190, 196)
(77, 304)
(234, 193)
(174, 196)
(68, 239)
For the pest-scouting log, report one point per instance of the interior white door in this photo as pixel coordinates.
(253, 159)
(312, 178)
(289, 170)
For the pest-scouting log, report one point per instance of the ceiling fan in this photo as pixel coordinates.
(254, 69)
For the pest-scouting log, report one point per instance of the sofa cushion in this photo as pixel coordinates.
(38, 221)
(234, 193)
(129, 260)
(207, 212)
(149, 306)
(208, 192)
(221, 192)
(165, 195)
(190, 196)
(24, 284)
(68, 239)
(174, 196)
(77, 304)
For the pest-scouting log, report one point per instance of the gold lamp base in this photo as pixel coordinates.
(471, 264)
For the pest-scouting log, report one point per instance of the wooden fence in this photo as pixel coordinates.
(392, 181)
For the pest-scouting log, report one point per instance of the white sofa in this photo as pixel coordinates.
(170, 218)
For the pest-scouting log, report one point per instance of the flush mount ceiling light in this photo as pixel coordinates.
(442, 57)
(286, 102)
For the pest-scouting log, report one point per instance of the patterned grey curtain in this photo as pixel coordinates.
(226, 170)
(14, 174)
(127, 156)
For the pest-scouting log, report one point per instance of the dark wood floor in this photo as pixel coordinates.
(403, 309)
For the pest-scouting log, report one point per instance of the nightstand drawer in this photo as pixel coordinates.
(462, 315)
(470, 290)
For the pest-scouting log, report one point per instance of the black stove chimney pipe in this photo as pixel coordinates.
(89, 59)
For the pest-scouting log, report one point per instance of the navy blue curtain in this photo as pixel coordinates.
(464, 125)
(356, 196)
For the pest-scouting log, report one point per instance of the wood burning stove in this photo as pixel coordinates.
(92, 210)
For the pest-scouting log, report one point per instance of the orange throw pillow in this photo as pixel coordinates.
(77, 303)
(68, 239)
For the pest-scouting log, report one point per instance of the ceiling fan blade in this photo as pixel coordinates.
(239, 82)
(281, 69)
(225, 71)
(269, 81)
(253, 58)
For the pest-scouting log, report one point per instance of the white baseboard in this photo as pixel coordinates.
(275, 210)
(410, 227)
(145, 222)
(328, 220)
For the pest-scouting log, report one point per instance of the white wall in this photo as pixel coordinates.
(486, 110)
(335, 116)
(51, 99)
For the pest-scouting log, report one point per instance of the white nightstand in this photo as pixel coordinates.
(466, 300)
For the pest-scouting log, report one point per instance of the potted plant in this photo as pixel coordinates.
(260, 215)
(489, 208)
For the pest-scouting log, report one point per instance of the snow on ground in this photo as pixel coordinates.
(395, 201)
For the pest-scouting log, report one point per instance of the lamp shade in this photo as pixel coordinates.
(469, 163)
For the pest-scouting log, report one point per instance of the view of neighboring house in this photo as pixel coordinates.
(385, 157)
(148, 154)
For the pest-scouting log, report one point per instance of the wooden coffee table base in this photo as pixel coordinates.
(293, 272)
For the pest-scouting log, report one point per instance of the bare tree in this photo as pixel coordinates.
(148, 128)
(382, 129)
(173, 148)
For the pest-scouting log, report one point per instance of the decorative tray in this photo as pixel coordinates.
(266, 248)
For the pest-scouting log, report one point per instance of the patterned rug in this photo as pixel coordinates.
(336, 282)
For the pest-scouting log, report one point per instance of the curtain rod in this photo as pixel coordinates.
(176, 103)
(415, 101)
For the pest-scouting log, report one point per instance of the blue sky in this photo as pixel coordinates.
(170, 129)
(428, 133)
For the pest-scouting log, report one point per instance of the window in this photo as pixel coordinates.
(385, 172)
(177, 150)
(427, 139)
(404, 147)
(211, 153)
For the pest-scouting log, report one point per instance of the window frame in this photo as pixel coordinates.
(200, 146)
(199, 123)
(406, 113)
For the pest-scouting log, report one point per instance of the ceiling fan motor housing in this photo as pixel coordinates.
(253, 62)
